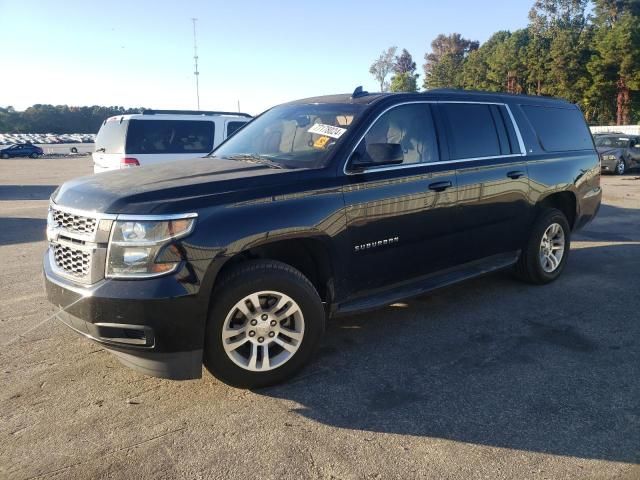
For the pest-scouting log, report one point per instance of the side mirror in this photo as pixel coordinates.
(378, 154)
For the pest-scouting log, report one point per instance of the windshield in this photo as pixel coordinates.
(292, 136)
(613, 142)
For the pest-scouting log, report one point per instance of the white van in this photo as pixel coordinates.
(156, 136)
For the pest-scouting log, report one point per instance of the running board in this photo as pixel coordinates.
(413, 288)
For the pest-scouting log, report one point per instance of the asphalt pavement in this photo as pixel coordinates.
(487, 379)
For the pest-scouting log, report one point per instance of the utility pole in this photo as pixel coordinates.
(195, 59)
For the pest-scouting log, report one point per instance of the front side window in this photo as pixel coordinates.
(408, 126)
(292, 136)
(169, 136)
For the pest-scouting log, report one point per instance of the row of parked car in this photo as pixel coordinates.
(45, 138)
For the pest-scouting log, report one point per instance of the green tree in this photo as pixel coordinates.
(58, 119)
(443, 65)
(615, 66)
(404, 82)
(383, 66)
(405, 78)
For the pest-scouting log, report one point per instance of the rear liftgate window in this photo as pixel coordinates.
(169, 136)
(559, 129)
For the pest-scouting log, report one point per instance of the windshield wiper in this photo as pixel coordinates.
(252, 158)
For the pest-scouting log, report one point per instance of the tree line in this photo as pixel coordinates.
(58, 119)
(585, 51)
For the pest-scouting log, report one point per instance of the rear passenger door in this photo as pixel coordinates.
(400, 218)
(491, 171)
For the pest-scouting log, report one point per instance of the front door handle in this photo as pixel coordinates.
(515, 174)
(440, 186)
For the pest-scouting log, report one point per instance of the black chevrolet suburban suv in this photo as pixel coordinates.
(317, 208)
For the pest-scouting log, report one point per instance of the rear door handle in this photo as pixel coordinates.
(440, 186)
(515, 174)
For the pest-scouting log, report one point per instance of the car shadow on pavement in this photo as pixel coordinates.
(15, 230)
(493, 362)
(26, 192)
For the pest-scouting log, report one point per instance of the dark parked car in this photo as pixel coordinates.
(618, 152)
(320, 207)
(21, 150)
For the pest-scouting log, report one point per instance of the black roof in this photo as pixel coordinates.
(436, 94)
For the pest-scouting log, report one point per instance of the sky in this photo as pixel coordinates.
(139, 53)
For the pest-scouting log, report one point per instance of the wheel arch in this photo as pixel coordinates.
(310, 255)
(564, 201)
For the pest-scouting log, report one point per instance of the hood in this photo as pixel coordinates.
(155, 188)
(608, 151)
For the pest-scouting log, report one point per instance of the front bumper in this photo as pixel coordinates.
(608, 165)
(155, 326)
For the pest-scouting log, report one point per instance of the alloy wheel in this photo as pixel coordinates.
(263, 331)
(552, 248)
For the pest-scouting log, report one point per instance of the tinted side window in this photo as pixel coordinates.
(169, 136)
(471, 130)
(559, 129)
(410, 126)
(233, 127)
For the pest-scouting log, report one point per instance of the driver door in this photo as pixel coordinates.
(399, 216)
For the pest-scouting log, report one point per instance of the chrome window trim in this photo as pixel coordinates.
(521, 145)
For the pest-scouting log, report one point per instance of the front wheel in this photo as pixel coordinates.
(265, 323)
(34, 155)
(545, 255)
(621, 167)
(4, 156)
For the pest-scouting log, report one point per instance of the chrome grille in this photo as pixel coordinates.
(73, 223)
(72, 261)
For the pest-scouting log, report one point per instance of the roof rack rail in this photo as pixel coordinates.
(192, 112)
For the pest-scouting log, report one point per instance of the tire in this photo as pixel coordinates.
(4, 156)
(74, 150)
(274, 282)
(34, 155)
(621, 167)
(533, 265)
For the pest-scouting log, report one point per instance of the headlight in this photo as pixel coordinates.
(609, 157)
(136, 242)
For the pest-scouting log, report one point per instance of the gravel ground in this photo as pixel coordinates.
(488, 379)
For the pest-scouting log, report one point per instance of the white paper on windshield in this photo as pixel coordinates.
(328, 130)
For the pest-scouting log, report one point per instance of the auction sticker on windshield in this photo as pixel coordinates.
(327, 130)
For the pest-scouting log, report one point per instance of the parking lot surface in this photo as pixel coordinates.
(488, 379)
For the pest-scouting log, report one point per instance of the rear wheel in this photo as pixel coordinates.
(266, 321)
(544, 257)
